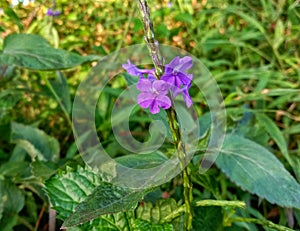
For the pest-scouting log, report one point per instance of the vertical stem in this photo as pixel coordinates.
(158, 62)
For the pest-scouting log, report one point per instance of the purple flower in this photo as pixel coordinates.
(179, 80)
(153, 95)
(133, 70)
(185, 94)
(51, 12)
(174, 71)
(154, 92)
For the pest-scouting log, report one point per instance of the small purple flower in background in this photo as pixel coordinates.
(51, 12)
(174, 80)
(153, 95)
(170, 5)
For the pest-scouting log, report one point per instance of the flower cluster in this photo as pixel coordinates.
(155, 93)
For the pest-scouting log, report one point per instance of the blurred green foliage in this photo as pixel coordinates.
(250, 47)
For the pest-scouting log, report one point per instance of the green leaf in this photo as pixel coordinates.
(275, 133)
(141, 225)
(157, 213)
(8, 222)
(111, 222)
(15, 169)
(11, 197)
(106, 199)
(130, 79)
(162, 116)
(204, 124)
(142, 161)
(35, 141)
(278, 36)
(34, 52)
(255, 169)
(67, 189)
(208, 218)
(43, 169)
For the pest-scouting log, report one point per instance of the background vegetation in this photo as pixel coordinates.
(250, 47)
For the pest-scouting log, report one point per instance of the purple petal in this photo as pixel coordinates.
(170, 78)
(154, 109)
(163, 101)
(187, 99)
(174, 63)
(145, 99)
(177, 78)
(151, 77)
(185, 63)
(161, 87)
(185, 94)
(131, 69)
(144, 85)
(183, 78)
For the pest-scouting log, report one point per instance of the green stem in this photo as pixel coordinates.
(57, 98)
(25, 223)
(261, 222)
(158, 62)
(222, 203)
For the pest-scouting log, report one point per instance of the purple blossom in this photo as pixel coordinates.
(174, 71)
(153, 95)
(174, 80)
(51, 12)
(179, 80)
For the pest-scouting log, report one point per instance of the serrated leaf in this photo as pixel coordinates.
(43, 169)
(106, 199)
(35, 141)
(34, 52)
(111, 222)
(141, 225)
(67, 189)
(255, 169)
(158, 212)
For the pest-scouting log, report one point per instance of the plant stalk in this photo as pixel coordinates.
(158, 62)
